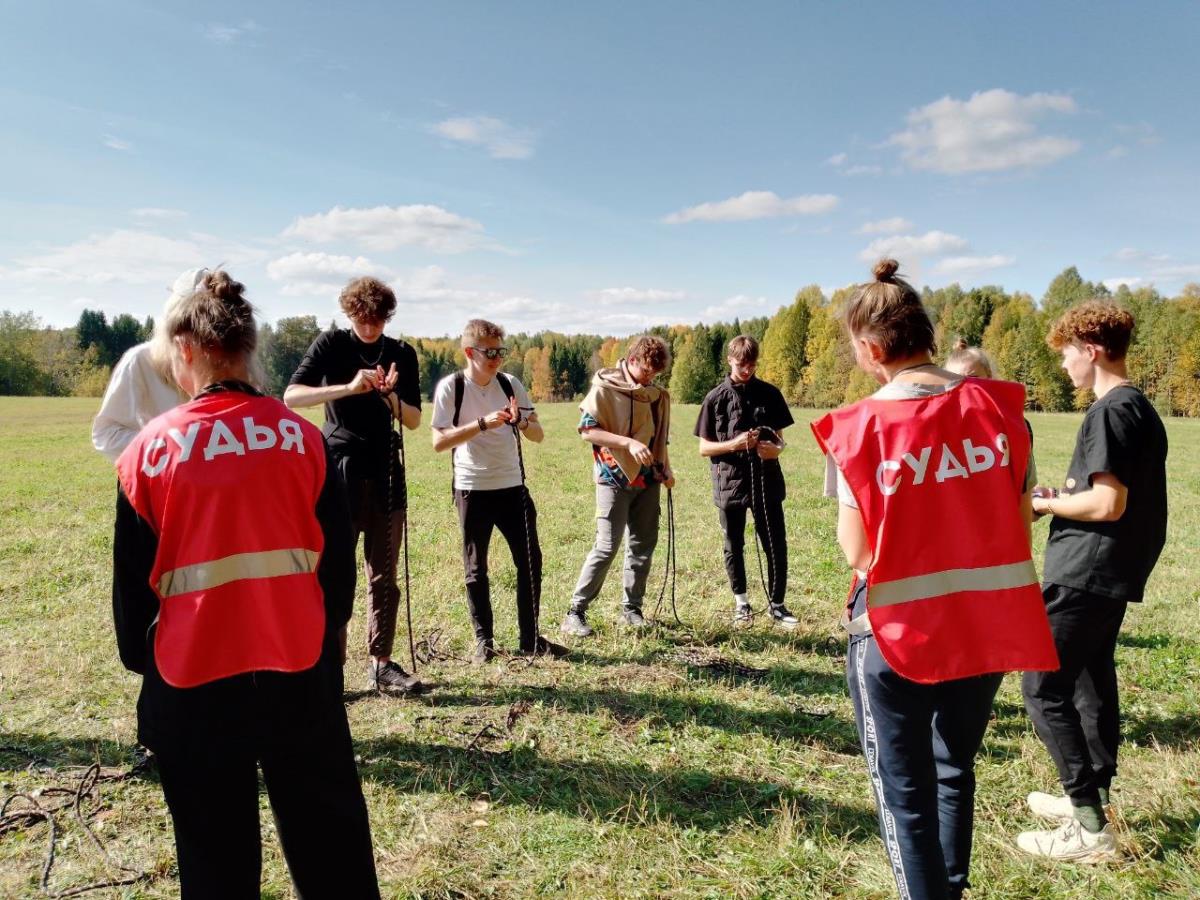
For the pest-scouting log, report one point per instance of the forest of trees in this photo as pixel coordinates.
(804, 350)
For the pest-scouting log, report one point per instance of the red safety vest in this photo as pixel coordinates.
(229, 482)
(952, 590)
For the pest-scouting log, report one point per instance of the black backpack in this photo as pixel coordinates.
(460, 386)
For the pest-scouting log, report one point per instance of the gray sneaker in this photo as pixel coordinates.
(742, 614)
(575, 624)
(631, 617)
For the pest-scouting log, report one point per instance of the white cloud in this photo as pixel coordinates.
(1156, 268)
(113, 142)
(862, 170)
(738, 306)
(502, 140)
(1118, 152)
(1113, 283)
(157, 213)
(128, 257)
(992, 131)
(754, 205)
(385, 228)
(967, 265)
(320, 274)
(632, 295)
(837, 160)
(227, 34)
(893, 225)
(904, 246)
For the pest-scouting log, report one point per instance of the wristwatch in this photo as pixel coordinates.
(482, 424)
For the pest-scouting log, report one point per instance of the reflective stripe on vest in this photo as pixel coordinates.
(264, 564)
(952, 581)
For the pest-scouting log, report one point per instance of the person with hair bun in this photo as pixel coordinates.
(233, 575)
(970, 361)
(931, 476)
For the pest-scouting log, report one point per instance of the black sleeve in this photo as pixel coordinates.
(312, 369)
(706, 422)
(135, 605)
(408, 386)
(336, 571)
(781, 415)
(1107, 443)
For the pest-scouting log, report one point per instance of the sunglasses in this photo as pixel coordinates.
(492, 352)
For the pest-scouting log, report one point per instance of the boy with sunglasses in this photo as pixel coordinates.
(480, 414)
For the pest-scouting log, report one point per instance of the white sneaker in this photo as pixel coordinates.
(1071, 842)
(1049, 806)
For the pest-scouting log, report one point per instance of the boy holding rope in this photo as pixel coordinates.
(365, 379)
(626, 419)
(740, 429)
(489, 481)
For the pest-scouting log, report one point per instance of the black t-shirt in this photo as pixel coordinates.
(1121, 434)
(358, 426)
(730, 409)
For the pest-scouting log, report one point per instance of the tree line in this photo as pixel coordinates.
(804, 350)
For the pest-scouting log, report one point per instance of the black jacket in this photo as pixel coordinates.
(730, 409)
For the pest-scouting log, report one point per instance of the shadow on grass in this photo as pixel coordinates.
(810, 727)
(42, 751)
(602, 790)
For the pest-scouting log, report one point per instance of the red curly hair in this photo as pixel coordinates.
(1098, 322)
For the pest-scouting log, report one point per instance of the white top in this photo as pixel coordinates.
(136, 394)
(488, 461)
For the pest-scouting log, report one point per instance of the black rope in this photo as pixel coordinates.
(535, 579)
(86, 790)
(395, 453)
(670, 568)
(759, 509)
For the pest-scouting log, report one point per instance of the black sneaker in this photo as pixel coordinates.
(544, 647)
(742, 614)
(389, 678)
(575, 624)
(631, 617)
(782, 617)
(485, 652)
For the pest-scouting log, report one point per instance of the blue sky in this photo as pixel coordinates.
(589, 167)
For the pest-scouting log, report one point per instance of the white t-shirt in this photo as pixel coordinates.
(136, 394)
(488, 461)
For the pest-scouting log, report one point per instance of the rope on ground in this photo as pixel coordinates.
(703, 658)
(75, 799)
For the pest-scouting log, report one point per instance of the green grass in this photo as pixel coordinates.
(630, 774)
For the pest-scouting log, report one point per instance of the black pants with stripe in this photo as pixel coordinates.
(920, 742)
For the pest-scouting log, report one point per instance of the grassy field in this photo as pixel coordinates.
(625, 773)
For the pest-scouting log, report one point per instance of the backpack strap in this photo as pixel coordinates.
(460, 384)
(505, 385)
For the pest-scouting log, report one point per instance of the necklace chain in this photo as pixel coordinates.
(898, 373)
(378, 356)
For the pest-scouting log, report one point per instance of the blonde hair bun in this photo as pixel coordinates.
(885, 269)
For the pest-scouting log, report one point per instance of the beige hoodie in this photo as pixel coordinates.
(622, 406)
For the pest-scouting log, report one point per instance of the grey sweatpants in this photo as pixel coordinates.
(634, 513)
